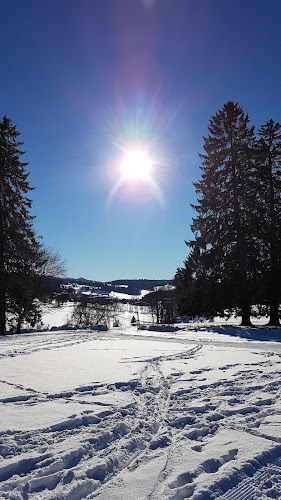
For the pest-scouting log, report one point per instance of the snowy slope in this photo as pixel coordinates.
(57, 316)
(135, 415)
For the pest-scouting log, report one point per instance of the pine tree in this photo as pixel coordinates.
(197, 290)
(269, 173)
(223, 252)
(18, 243)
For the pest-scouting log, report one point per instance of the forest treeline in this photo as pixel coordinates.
(25, 264)
(234, 260)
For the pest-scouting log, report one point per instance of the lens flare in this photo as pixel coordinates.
(136, 165)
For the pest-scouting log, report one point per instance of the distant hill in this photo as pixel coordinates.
(127, 286)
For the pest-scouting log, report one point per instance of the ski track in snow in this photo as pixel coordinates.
(182, 423)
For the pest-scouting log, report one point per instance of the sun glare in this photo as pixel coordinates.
(137, 169)
(136, 165)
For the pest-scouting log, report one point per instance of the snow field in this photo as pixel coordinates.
(139, 415)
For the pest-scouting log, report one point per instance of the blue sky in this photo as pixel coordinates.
(82, 79)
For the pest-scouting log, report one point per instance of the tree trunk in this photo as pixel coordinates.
(273, 291)
(274, 312)
(2, 295)
(246, 316)
(2, 279)
(274, 317)
(18, 326)
(241, 251)
(2, 309)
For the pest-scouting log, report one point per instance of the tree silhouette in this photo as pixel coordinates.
(269, 231)
(223, 254)
(24, 262)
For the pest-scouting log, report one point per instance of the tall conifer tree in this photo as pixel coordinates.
(269, 175)
(223, 252)
(18, 243)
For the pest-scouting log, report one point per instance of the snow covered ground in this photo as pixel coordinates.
(141, 415)
(57, 316)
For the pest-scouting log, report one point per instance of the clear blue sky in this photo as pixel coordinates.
(80, 78)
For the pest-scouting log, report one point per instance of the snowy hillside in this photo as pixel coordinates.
(122, 289)
(141, 415)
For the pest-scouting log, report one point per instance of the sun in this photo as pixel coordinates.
(137, 169)
(136, 165)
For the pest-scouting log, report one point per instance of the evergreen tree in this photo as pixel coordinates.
(269, 173)
(223, 254)
(18, 244)
(197, 290)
